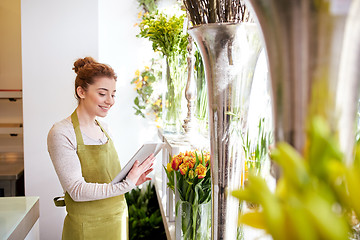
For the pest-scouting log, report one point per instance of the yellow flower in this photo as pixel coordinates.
(136, 24)
(139, 14)
(189, 161)
(147, 68)
(191, 174)
(146, 78)
(137, 73)
(200, 171)
(169, 168)
(158, 102)
(138, 85)
(183, 168)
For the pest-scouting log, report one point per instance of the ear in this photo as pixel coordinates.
(80, 91)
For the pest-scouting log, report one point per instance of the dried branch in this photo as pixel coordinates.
(213, 11)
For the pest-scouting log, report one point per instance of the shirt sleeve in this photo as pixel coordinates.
(62, 149)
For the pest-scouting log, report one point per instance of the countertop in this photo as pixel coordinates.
(17, 216)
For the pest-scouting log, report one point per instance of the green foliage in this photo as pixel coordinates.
(147, 101)
(315, 195)
(148, 5)
(166, 33)
(145, 221)
(256, 153)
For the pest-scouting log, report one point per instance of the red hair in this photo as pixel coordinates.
(87, 69)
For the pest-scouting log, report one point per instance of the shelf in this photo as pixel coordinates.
(11, 128)
(11, 94)
(11, 143)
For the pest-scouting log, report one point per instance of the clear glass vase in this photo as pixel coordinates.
(175, 76)
(229, 52)
(201, 110)
(195, 221)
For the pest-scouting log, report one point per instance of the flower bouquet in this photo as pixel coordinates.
(168, 37)
(192, 174)
(148, 102)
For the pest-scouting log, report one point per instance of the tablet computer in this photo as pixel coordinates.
(141, 155)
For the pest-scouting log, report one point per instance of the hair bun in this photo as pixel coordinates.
(81, 62)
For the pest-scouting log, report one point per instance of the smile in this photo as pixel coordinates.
(105, 108)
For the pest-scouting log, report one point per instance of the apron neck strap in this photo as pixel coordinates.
(75, 122)
(102, 129)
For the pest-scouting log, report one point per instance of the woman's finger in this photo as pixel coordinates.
(148, 162)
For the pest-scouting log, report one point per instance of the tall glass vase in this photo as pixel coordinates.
(229, 52)
(201, 111)
(173, 97)
(304, 42)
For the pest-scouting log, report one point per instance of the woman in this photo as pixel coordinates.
(85, 160)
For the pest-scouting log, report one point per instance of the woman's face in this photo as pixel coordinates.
(99, 97)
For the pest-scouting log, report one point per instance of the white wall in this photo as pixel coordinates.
(54, 34)
(119, 47)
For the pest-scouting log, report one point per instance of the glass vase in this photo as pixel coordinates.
(201, 110)
(174, 102)
(229, 53)
(195, 221)
(308, 68)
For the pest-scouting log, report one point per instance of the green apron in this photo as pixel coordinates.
(99, 219)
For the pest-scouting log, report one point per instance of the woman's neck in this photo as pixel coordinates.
(85, 119)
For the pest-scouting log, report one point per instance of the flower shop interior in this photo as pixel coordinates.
(254, 104)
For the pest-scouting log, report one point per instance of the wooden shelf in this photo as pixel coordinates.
(10, 94)
(11, 128)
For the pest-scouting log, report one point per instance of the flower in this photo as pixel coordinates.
(139, 85)
(183, 168)
(191, 174)
(200, 171)
(190, 161)
(193, 184)
(169, 168)
(176, 161)
(139, 15)
(158, 102)
(137, 73)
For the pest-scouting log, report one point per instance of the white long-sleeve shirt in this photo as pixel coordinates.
(62, 148)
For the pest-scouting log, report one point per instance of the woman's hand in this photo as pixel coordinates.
(138, 173)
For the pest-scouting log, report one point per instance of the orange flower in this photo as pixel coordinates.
(189, 153)
(176, 161)
(189, 161)
(183, 168)
(207, 158)
(200, 171)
